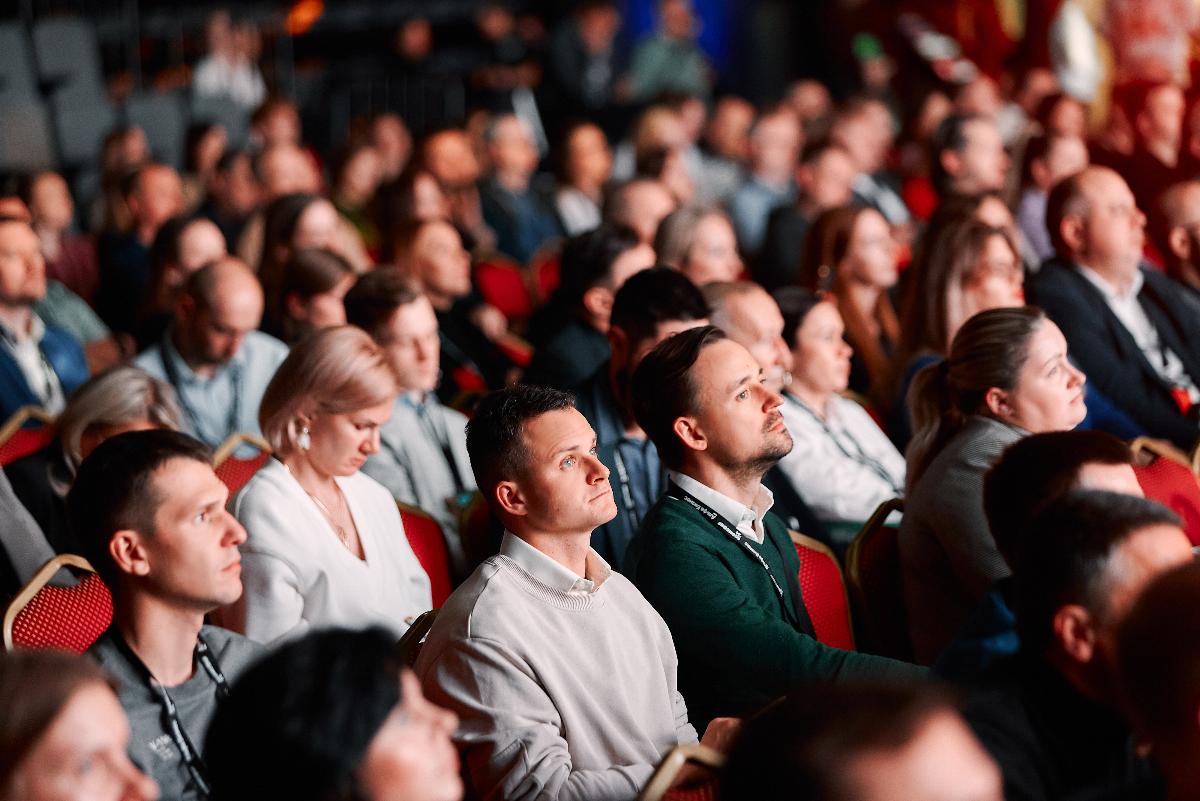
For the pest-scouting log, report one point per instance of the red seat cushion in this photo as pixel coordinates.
(502, 284)
(67, 618)
(425, 536)
(236, 472)
(1175, 486)
(825, 598)
(25, 441)
(701, 792)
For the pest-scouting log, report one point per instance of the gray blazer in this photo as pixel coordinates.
(947, 556)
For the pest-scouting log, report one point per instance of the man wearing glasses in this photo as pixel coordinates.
(150, 516)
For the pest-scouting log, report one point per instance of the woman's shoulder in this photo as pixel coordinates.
(269, 485)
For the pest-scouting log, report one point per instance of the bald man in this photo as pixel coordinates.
(213, 354)
(1176, 232)
(1134, 331)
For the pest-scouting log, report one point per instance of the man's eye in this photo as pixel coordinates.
(592, 451)
(745, 393)
(568, 462)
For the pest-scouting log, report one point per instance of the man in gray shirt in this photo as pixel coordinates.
(213, 356)
(150, 515)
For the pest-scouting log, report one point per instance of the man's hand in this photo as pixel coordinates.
(719, 735)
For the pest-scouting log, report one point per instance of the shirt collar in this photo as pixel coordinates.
(37, 330)
(734, 511)
(550, 572)
(1111, 293)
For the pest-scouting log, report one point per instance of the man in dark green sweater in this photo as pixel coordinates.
(719, 568)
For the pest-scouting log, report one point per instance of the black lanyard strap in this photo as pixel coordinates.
(859, 454)
(174, 379)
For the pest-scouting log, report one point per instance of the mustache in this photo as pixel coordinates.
(772, 419)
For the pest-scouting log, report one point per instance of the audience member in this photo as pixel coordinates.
(856, 129)
(775, 142)
(282, 169)
(63, 733)
(232, 195)
(1050, 716)
(312, 285)
(122, 399)
(584, 62)
(356, 178)
(182, 246)
(413, 197)
(651, 306)
(326, 545)
(1048, 159)
(150, 515)
(543, 712)
(294, 222)
(228, 70)
(585, 165)
(1006, 376)
(860, 743)
(1133, 330)
(70, 258)
(422, 457)
(393, 142)
(447, 155)
(670, 60)
(968, 155)
(42, 363)
(512, 207)
(213, 356)
(1175, 227)
(851, 251)
(275, 122)
(204, 143)
(726, 149)
(1156, 111)
(640, 204)
(1160, 664)
(700, 243)
(824, 177)
(709, 556)
(841, 463)
(332, 715)
(570, 331)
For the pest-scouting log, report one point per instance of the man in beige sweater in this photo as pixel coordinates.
(561, 673)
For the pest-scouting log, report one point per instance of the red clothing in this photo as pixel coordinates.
(76, 266)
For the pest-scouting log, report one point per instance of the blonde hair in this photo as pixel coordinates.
(117, 397)
(332, 371)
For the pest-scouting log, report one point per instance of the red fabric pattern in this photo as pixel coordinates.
(25, 441)
(701, 792)
(502, 284)
(234, 473)
(825, 598)
(67, 618)
(1173, 485)
(425, 537)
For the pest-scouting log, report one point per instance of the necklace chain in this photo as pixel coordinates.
(338, 529)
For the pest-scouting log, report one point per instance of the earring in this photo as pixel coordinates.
(304, 441)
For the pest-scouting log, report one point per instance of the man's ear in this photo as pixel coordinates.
(294, 306)
(511, 499)
(597, 302)
(1179, 243)
(950, 162)
(1075, 633)
(129, 553)
(1070, 228)
(688, 430)
(185, 307)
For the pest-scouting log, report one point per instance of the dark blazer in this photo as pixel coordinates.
(65, 358)
(1105, 350)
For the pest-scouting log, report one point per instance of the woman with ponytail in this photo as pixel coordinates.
(1007, 376)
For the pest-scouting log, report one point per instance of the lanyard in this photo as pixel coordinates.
(722, 524)
(859, 455)
(231, 423)
(442, 438)
(170, 713)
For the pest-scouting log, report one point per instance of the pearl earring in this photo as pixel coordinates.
(304, 441)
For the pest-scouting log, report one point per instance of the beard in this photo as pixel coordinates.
(775, 446)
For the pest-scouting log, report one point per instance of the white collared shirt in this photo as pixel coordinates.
(550, 572)
(747, 520)
(1129, 311)
(39, 375)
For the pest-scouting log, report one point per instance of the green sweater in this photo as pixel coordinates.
(739, 646)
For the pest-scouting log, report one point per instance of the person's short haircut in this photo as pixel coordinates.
(114, 491)
(801, 747)
(309, 272)
(655, 296)
(35, 686)
(950, 134)
(794, 304)
(298, 723)
(1036, 470)
(1065, 556)
(718, 294)
(1160, 655)
(588, 258)
(201, 286)
(374, 298)
(496, 432)
(1066, 197)
(663, 390)
(331, 371)
(677, 232)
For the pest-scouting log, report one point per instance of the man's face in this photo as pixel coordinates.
(1066, 156)
(775, 144)
(450, 158)
(738, 417)
(512, 149)
(752, 319)
(942, 762)
(236, 190)
(219, 331)
(200, 243)
(1161, 121)
(159, 196)
(728, 132)
(646, 204)
(193, 554)
(22, 268)
(286, 169)
(983, 162)
(564, 487)
(1113, 226)
(827, 182)
(412, 345)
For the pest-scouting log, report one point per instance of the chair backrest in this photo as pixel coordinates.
(17, 77)
(67, 50)
(659, 786)
(28, 429)
(873, 579)
(412, 640)
(235, 471)
(1172, 484)
(824, 592)
(429, 544)
(69, 618)
(503, 284)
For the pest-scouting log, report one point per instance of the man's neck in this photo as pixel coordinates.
(1118, 279)
(16, 319)
(569, 550)
(163, 637)
(1165, 152)
(201, 368)
(743, 489)
(514, 182)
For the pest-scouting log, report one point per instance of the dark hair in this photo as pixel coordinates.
(298, 723)
(801, 746)
(1065, 198)
(35, 686)
(495, 434)
(113, 489)
(951, 134)
(374, 298)
(1065, 553)
(794, 304)
(191, 142)
(654, 296)
(587, 260)
(663, 390)
(1034, 471)
(164, 250)
(309, 272)
(988, 351)
(280, 219)
(1160, 654)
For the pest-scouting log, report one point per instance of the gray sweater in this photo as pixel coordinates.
(564, 690)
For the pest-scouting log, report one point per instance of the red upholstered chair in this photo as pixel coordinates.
(658, 788)
(1166, 476)
(518, 351)
(873, 579)
(70, 618)
(546, 269)
(824, 592)
(503, 284)
(425, 536)
(235, 471)
(28, 429)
